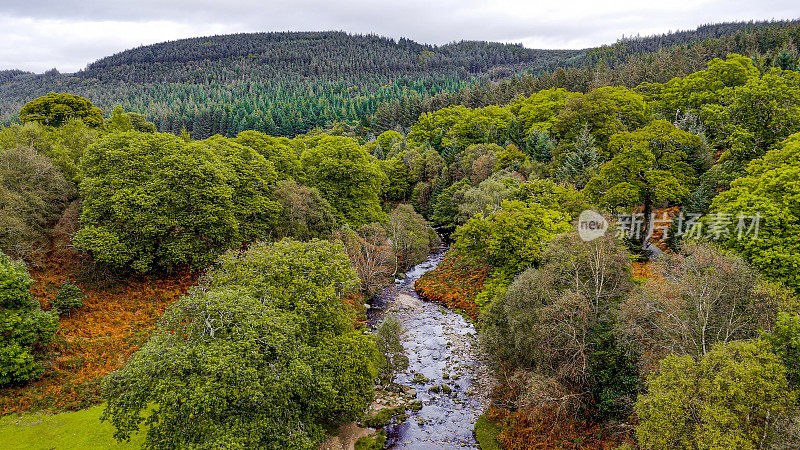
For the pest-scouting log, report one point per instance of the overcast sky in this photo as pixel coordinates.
(37, 35)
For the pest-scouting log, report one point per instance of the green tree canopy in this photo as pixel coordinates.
(513, 237)
(347, 176)
(155, 201)
(56, 109)
(736, 396)
(647, 166)
(770, 189)
(262, 355)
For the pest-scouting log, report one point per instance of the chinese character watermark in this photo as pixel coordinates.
(713, 226)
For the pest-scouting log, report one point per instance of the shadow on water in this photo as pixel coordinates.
(441, 346)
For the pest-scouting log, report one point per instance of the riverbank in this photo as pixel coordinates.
(445, 368)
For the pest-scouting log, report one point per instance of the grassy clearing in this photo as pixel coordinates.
(69, 430)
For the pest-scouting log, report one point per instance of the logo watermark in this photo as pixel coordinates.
(591, 225)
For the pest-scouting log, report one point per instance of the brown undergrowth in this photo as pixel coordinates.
(455, 283)
(117, 316)
(544, 428)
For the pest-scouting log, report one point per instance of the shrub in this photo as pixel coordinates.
(378, 442)
(33, 194)
(486, 433)
(390, 345)
(69, 297)
(410, 236)
(23, 324)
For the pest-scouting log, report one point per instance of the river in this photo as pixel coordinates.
(442, 346)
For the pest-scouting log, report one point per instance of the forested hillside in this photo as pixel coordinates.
(280, 83)
(288, 83)
(628, 62)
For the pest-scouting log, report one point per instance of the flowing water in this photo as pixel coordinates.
(442, 346)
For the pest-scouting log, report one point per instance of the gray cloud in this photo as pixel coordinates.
(68, 34)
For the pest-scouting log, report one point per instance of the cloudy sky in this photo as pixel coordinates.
(37, 35)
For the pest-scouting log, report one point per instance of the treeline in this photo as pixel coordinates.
(279, 83)
(629, 63)
(286, 84)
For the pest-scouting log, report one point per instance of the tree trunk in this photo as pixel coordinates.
(647, 229)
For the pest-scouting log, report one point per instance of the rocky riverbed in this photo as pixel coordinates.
(445, 368)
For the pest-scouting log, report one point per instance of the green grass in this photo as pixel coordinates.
(486, 433)
(69, 430)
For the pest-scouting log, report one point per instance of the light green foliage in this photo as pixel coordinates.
(33, 194)
(553, 195)
(347, 177)
(389, 340)
(387, 140)
(647, 166)
(736, 396)
(757, 115)
(252, 179)
(510, 158)
(155, 201)
(69, 297)
(305, 213)
(279, 151)
(771, 190)
(513, 237)
(606, 111)
(409, 168)
(458, 127)
(409, 234)
(261, 355)
(693, 92)
(538, 112)
(23, 324)
(119, 122)
(63, 145)
(56, 109)
(785, 342)
(486, 197)
(397, 185)
(486, 433)
(378, 442)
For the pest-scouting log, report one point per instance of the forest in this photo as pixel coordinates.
(284, 84)
(216, 289)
